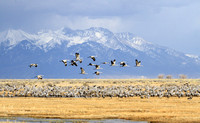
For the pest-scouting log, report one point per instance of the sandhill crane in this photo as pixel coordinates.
(138, 63)
(90, 64)
(82, 71)
(97, 73)
(35, 65)
(104, 62)
(64, 61)
(97, 67)
(78, 57)
(123, 64)
(113, 62)
(189, 98)
(73, 63)
(92, 57)
(39, 77)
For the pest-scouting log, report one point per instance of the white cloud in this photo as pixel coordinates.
(112, 23)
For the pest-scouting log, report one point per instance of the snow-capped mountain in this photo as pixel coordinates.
(19, 49)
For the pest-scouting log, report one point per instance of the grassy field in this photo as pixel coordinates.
(155, 109)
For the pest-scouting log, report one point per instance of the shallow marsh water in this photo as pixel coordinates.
(39, 120)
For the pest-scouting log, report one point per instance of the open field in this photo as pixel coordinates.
(100, 82)
(135, 108)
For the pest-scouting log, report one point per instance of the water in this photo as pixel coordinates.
(37, 120)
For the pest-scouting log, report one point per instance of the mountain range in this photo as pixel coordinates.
(18, 49)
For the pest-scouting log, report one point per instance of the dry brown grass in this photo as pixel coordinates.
(134, 108)
(99, 82)
(153, 109)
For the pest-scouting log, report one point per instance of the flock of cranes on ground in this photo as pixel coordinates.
(78, 59)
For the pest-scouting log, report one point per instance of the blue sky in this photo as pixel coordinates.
(171, 23)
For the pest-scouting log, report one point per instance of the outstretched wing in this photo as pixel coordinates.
(93, 58)
(137, 62)
(111, 62)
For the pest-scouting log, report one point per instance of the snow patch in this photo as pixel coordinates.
(138, 41)
(48, 39)
(76, 40)
(98, 35)
(192, 56)
(15, 36)
(140, 44)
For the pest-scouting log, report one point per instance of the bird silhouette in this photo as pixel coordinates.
(31, 65)
(77, 55)
(97, 66)
(104, 62)
(90, 64)
(73, 63)
(97, 73)
(137, 63)
(64, 61)
(92, 57)
(123, 64)
(113, 62)
(39, 77)
(82, 71)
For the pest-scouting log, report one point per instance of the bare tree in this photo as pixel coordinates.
(182, 76)
(169, 77)
(160, 76)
